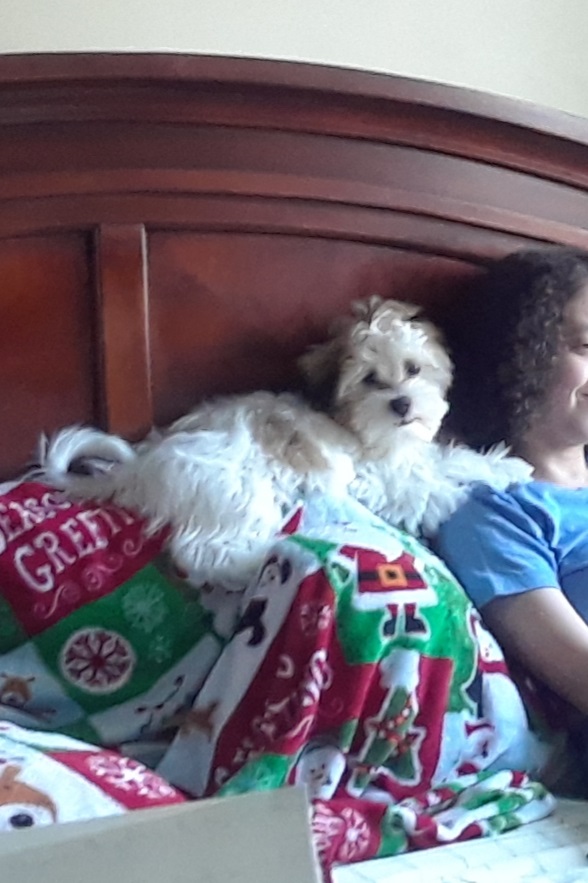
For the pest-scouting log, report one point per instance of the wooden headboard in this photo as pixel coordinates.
(173, 227)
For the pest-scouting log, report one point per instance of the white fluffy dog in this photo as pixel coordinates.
(223, 477)
(384, 377)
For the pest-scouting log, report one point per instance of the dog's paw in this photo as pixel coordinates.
(336, 478)
(343, 469)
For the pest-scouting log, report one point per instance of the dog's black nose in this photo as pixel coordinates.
(400, 406)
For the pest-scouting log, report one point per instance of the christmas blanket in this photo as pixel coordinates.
(99, 639)
(359, 669)
(47, 778)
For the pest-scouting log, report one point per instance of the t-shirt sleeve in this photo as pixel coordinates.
(495, 547)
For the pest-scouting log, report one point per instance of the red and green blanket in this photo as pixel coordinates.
(359, 669)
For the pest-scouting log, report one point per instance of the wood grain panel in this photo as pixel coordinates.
(47, 363)
(232, 312)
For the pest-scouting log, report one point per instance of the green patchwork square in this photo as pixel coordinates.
(82, 730)
(115, 648)
(12, 633)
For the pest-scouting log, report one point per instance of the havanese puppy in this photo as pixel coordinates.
(384, 377)
(222, 478)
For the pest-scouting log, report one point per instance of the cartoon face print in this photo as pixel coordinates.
(15, 691)
(224, 605)
(274, 574)
(320, 768)
(22, 806)
(17, 701)
(158, 712)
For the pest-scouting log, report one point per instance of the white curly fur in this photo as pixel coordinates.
(222, 478)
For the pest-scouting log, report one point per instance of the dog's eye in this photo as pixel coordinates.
(371, 379)
(412, 369)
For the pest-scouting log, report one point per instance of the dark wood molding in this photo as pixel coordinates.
(293, 96)
(121, 278)
(238, 74)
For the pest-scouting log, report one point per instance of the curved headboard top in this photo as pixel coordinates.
(178, 226)
(294, 95)
(239, 74)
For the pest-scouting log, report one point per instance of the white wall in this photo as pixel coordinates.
(532, 49)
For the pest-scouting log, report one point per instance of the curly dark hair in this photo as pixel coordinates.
(507, 339)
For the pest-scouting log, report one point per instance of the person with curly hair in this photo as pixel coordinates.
(521, 353)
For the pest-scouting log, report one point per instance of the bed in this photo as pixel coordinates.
(174, 227)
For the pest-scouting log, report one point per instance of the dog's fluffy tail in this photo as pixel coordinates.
(100, 453)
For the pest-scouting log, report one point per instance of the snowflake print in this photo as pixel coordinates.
(357, 836)
(314, 618)
(129, 775)
(144, 606)
(160, 648)
(97, 660)
(328, 826)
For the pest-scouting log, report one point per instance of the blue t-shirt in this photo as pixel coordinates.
(530, 536)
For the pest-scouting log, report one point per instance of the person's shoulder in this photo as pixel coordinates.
(485, 503)
(522, 493)
(527, 508)
(483, 494)
(546, 497)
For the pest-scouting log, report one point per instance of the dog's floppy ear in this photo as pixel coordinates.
(319, 368)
